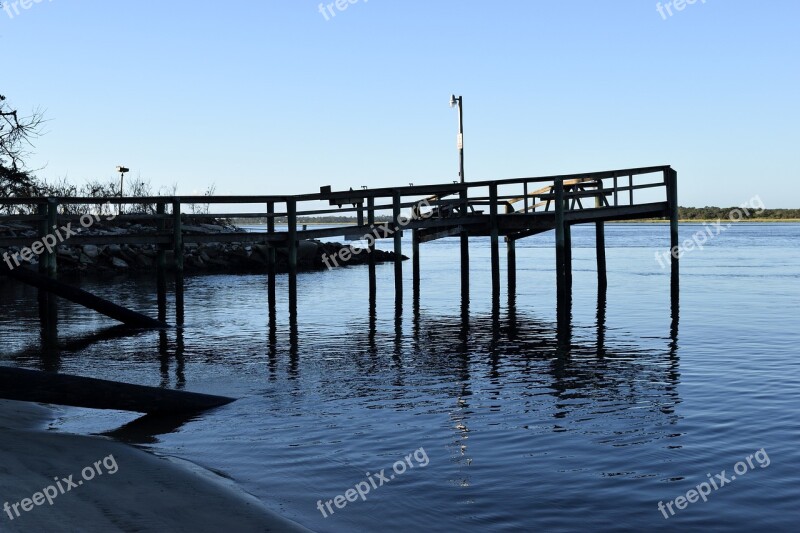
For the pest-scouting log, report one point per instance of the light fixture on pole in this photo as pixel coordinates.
(457, 101)
(122, 170)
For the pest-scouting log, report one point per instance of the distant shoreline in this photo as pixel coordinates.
(244, 222)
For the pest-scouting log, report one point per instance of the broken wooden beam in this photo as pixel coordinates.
(81, 297)
(61, 389)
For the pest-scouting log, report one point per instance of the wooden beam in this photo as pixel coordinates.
(61, 389)
(81, 297)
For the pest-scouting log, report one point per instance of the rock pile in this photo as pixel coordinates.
(213, 257)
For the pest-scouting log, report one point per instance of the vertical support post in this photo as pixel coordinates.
(177, 246)
(161, 263)
(464, 197)
(48, 312)
(360, 214)
(525, 197)
(630, 188)
(398, 247)
(561, 281)
(271, 265)
(671, 177)
(291, 214)
(600, 241)
(373, 285)
(616, 190)
(52, 223)
(511, 252)
(415, 259)
(568, 257)
(44, 259)
(271, 231)
(495, 240)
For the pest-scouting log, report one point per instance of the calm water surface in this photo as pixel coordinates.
(520, 433)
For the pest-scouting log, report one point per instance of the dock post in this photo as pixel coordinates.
(270, 231)
(415, 259)
(291, 213)
(495, 239)
(463, 195)
(568, 257)
(52, 225)
(511, 252)
(561, 280)
(271, 262)
(41, 210)
(600, 242)
(398, 247)
(373, 284)
(161, 264)
(177, 246)
(672, 192)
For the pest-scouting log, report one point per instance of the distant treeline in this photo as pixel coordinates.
(714, 213)
(685, 213)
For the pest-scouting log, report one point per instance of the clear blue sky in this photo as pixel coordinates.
(267, 97)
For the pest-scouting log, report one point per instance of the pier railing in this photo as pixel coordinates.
(514, 208)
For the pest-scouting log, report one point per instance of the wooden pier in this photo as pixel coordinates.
(512, 208)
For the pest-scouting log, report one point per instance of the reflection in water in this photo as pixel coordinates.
(146, 429)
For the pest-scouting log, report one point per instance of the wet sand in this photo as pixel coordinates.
(114, 487)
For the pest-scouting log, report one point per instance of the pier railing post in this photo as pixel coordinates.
(398, 247)
(495, 240)
(415, 259)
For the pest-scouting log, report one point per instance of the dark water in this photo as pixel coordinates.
(521, 433)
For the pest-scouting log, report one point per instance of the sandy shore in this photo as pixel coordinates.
(114, 487)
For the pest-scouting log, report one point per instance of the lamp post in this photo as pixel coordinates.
(457, 101)
(122, 170)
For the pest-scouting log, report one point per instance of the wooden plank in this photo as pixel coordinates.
(61, 389)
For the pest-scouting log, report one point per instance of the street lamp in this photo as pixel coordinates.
(122, 170)
(457, 101)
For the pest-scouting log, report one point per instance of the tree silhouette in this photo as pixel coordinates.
(16, 134)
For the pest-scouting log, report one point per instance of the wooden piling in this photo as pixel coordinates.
(177, 247)
(561, 281)
(600, 240)
(463, 196)
(52, 225)
(415, 260)
(373, 284)
(291, 213)
(495, 240)
(161, 264)
(398, 247)
(41, 210)
(270, 231)
(511, 254)
(671, 177)
(568, 256)
(271, 258)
